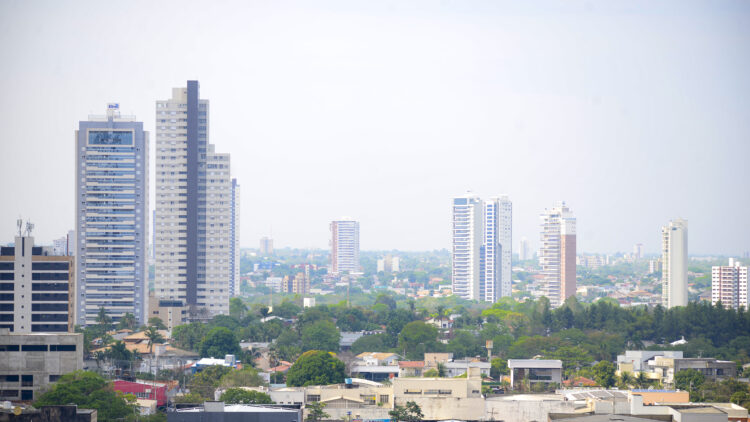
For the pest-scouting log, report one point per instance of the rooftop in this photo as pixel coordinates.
(534, 363)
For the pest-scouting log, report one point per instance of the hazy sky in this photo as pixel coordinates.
(633, 112)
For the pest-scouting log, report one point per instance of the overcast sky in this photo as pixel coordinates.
(632, 112)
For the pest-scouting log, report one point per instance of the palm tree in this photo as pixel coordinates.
(641, 380)
(626, 379)
(103, 319)
(154, 336)
(128, 321)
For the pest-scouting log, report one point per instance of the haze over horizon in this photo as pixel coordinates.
(634, 113)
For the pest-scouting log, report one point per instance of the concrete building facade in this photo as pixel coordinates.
(344, 246)
(193, 240)
(557, 255)
(37, 290)
(30, 362)
(112, 194)
(674, 237)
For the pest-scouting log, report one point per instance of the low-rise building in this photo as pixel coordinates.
(711, 368)
(218, 411)
(636, 361)
(534, 371)
(443, 398)
(358, 399)
(410, 368)
(30, 362)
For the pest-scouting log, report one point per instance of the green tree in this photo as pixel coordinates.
(321, 335)
(219, 342)
(103, 319)
(89, 391)
(316, 367)
(604, 373)
(208, 380)
(245, 377)
(416, 338)
(154, 336)
(642, 380)
(189, 336)
(127, 321)
(690, 380)
(242, 396)
(498, 367)
(237, 308)
(626, 380)
(193, 398)
(315, 412)
(373, 343)
(157, 322)
(409, 413)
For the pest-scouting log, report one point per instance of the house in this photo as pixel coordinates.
(457, 368)
(407, 368)
(636, 361)
(150, 390)
(229, 360)
(711, 368)
(534, 371)
(377, 358)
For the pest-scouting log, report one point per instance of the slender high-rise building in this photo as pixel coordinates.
(111, 217)
(523, 249)
(193, 239)
(266, 246)
(344, 246)
(467, 235)
(557, 254)
(234, 282)
(674, 243)
(505, 239)
(729, 285)
(482, 252)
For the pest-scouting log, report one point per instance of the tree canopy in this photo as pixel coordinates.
(89, 391)
(316, 367)
(242, 396)
(220, 341)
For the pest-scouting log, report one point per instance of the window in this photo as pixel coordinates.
(62, 348)
(27, 380)
(8, 347)
(34, 348)
(54, 378)
(8, 378)
(313, 397)
(384, 398)
(27, 394)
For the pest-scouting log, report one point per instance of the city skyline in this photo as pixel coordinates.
(574, 133)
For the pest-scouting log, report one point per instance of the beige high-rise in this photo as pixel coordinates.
(193, 219)
(557, 255)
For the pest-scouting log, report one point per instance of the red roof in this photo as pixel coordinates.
(580, 382)
(411, 364)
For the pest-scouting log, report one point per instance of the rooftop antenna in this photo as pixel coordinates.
(19, 224)
(29, 228)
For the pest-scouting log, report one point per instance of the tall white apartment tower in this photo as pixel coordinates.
(111, 217)
(557, 254)
(523, 249)
(674, 245)
(496, 249)
(482, 252)
(729, 285)
(193, 247)
(505, 238)
(234, 283)
(344, 246)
